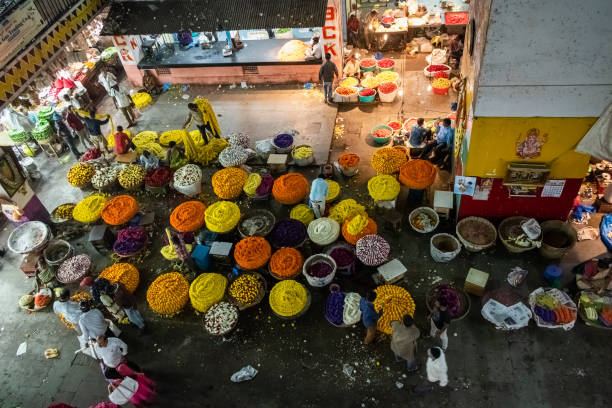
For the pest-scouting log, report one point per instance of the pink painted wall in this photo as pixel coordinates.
(272, 74)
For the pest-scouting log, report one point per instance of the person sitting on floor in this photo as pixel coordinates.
(351, 69)
(176, 158)
(122, 141)
(442, 146)
(149, 161)
(419, 135)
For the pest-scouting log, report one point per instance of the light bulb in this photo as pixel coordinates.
(385, 37)
(401, 92)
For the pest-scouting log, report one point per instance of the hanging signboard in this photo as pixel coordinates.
(18, 29)
(332, 32)
(128, 47)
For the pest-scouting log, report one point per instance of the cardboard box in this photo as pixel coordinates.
(475, 282)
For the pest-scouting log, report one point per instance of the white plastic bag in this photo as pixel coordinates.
(246, 373)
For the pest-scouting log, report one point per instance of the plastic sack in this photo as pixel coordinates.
(605, 231)
(246, 373)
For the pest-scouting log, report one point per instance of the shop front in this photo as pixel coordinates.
(243, 48)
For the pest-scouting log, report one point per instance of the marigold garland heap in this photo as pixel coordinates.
(383, 187)
(303, 213)
(333, 190)
(188, 216)
(345, 209)
(222, 216)
(395, 303)
(348, 160)
(245, 288)
(80, 174)
(387, 160)
(418, 174)
(119, 210)
(89, 209)
(251, 184)
(227, 183)
(357, 227)
(206, 290)
(288, 298)
(286, 262)
(252, 252)
(168, 294)
(124, 273)
(290, 188)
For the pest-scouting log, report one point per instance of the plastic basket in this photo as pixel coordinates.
(368, 69)
(382, 140)
(388, 97)
(440, 91)
(319, 282)
(431, 74)
(368, 99)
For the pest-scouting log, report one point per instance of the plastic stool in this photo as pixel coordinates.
(552, 274)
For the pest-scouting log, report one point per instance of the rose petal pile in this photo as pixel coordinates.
(252, 252)
(132, 176)
(286, 263)
(80, 174)
(89, 209)
(302, 213)
(382, 133)
(188, 216)
(383, 187)
(367, 63)
(288, 298)
(290, 188)
(161, 176)
(222, 216)
(367, 92)
(387, 87)
(387, 160)
(395, 124)
(91, 153)
(206, 290)
(228, 183)
(124, 273)
(395, 302)
(168, 294)
(119, 210)
(386, 63)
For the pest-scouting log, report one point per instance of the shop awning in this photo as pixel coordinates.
(171, 16)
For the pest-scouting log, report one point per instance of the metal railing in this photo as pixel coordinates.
(51, 10)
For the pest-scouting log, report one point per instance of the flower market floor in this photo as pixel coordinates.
(306, 362)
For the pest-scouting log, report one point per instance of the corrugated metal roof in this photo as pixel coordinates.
(170, 16)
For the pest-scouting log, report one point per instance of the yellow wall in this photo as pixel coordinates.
(493, 145)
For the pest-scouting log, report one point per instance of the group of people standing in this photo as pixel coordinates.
(424, 146)
(100, 336)
(404, 340)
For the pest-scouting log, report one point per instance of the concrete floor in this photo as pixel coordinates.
(303, 363)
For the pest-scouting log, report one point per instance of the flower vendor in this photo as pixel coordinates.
(442, 147)
(369, 316)
(201, 121)
(176, 158)
(68, 310)
(318, 194)
(122, 141)
(148, 161)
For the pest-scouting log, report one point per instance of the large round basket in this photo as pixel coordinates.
(263, 288)
(429, 212)
(476, 226)
(31, 236)
(558, 238)
(256, 223)
(444, 247)
(512, 226)
(57, 220)
(466, 302)
(313, 280)
(226, 331)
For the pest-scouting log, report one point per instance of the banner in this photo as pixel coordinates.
(128, 47)
(332, 33)
(18, 29)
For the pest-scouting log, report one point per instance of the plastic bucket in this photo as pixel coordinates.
(444, 247)
(319, 282)
(440, 91)
(368, 69)
(305, 161)
(368, 98)
(348, 171)
(352, 98)
(389, 97)
(283, 150)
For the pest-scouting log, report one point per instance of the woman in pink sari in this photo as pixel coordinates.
(141, 395)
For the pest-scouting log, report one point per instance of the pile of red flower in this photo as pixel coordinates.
(367, 63)
(436, 68)
(441, 74)
(91, 153)
(159, 177)
(456, 18)
(367, 92)
(386, 63)
(387, 87)
(382, 133)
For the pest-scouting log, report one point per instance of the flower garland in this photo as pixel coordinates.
(345, 209)
(323, 231)
(288, 233)
(119, 210)
(161, 176)
(168, 294)
(245, 288)
(228, 183)
(372, 250)
(251, 184)
(64, 211)
(388, 160)
(124, 273)
(302, 213)
(418, 174)
(187, 175)
(265, 187)
(383, 187)
(290, 188)
(168, 136)
(333, 190)
(222, 216)
(132, 176)
(252, 252)
(357, 227)
(302, 152)
(130, 240)
(395, 303)
(80, 174)
(188, 216)
(206, 290)
(286, 263)
(89, 209)
(288, 298)
(348, 160)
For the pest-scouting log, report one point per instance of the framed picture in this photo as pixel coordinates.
(11, 178)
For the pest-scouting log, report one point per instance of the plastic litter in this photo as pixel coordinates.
(516, 276)
(348, 370)
(23, 347)
(531, 228)
(246, 373)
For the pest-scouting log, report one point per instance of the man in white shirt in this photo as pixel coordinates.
(112, 351)
(108, 80)
(92, 322)
(351, 69)
(315, 52)
(123, 102)
(68, 309)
